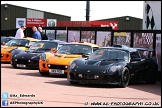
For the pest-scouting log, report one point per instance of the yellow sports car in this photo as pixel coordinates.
(23, 44)
(58, 62)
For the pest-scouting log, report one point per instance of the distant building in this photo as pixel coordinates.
(118, 23)
(126, 22)
(12, 15)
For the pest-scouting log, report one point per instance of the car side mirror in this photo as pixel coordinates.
(53, 50)
(27, 46)
(85, 55)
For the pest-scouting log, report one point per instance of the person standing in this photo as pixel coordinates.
(36, 34)
(20, 33)
(43, 35)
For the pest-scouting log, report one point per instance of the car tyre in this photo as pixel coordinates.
(72, 82)
(125, 77)
(44, 73)
(14, 66)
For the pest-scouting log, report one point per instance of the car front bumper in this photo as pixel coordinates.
(89, 78)
(5, 57)
(26, 63)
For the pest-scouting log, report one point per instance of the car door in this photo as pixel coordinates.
(137, 62)
(144, 56)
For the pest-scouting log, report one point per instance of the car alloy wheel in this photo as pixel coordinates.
(125, 77)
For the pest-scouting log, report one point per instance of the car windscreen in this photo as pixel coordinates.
(59, 46)
(75, 49)
(4, 39)
(110, 54)
(43, 45)
(31, 43)
(17, 42)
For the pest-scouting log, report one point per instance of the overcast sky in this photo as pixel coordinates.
(76, 9)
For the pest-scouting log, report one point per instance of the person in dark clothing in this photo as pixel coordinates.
(43, 35)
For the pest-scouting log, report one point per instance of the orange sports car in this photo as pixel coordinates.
(23, 44)
(58, 62)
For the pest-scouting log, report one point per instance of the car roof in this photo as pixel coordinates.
(130, 49)
(121, 48)
(84, 43)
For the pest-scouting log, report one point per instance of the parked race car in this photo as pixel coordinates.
(5, 39)
(13, 44)
(30, 58)
(58, 62)
(114, 65)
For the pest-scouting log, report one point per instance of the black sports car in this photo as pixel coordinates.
(114, 65)
(30, 58)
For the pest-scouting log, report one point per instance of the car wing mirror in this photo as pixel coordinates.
(27, 46)
(53, 50)
(85, 55)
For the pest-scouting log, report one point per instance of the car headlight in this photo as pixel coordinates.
(72, 65)
(113, 68)
(43, 57)
(49, 65)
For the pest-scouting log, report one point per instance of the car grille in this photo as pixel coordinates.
(35, 61)
(27, 61)
(22, 61)
(88, 76)
(61, 67)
